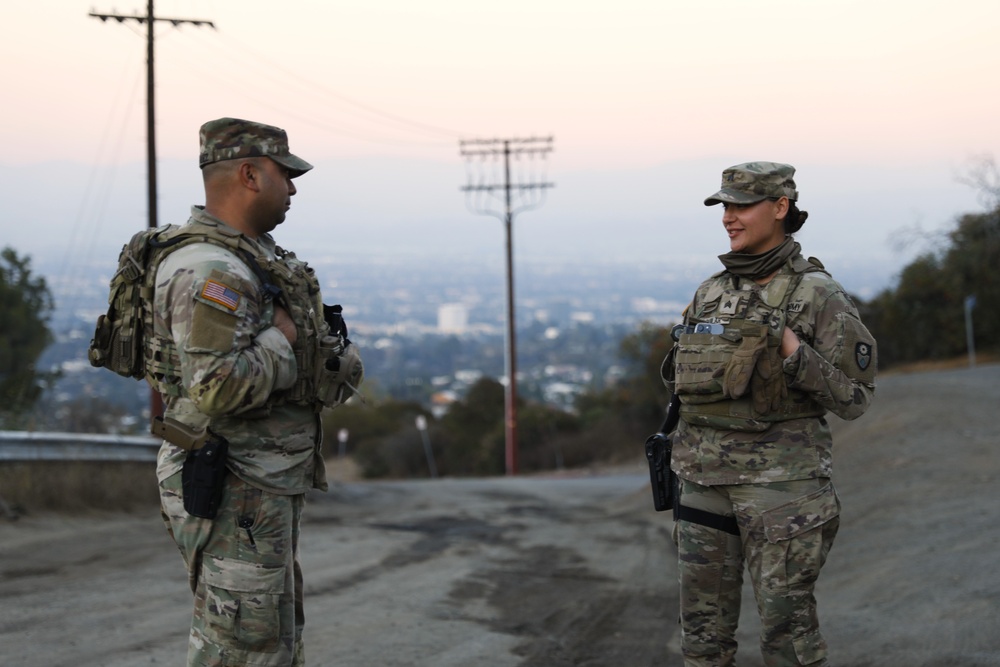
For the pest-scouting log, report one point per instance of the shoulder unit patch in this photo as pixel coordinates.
(863, 355)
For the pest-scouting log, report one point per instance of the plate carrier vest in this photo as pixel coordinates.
(329, 367)
(698, 360)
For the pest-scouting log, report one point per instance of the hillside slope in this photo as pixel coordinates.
(913, 578)
(569, 570)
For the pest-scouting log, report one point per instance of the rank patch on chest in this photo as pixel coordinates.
(730, 305)
(220, 294)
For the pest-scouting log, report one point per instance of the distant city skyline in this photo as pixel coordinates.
(591, 219)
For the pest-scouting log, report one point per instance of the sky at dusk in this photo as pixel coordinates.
(880, 105)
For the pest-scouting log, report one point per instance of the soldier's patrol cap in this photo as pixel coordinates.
(751, 182)
(235, 138)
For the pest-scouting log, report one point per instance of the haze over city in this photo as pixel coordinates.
(880, 106)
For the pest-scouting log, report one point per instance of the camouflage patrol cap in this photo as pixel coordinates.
(752, 182)
(234, 138)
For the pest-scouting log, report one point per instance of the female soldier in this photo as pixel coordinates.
(768, 346)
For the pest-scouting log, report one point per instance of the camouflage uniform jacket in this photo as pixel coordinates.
(210, 305)
(829, 367)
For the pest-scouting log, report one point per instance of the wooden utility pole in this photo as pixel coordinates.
(497, 147)
(149, 19)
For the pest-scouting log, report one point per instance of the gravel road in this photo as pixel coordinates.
(551, 571)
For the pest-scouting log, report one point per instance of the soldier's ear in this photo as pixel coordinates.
(781, 208)
(249, 176)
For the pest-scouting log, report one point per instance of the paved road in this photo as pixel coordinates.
(560, 570)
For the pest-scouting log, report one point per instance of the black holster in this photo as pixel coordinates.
(661, 478)
(203, 477)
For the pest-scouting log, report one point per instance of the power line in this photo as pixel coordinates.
(156, 402)
(325, 96)
(149, 19)
(99, 183)
(335, 127)
(314, 87)
(530, 195)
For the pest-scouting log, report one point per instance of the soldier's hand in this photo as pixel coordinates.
(283, 322)
(789, 343)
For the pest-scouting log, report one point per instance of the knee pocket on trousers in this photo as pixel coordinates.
(799, 535)
(242, 603)
(810, 648)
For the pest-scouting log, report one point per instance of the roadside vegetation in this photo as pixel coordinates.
(924, 316)
(25, 308)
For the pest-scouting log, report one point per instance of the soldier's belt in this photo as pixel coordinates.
(179, 434)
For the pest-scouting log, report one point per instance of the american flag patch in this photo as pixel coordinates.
(219, 293)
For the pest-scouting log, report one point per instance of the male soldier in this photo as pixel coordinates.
(236, 322)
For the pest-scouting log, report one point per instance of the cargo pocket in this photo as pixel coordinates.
(339, 376)
(799, 536)
(241, 603)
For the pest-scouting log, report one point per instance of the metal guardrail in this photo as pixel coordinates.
(51, 446)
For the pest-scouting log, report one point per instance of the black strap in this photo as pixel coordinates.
(673, 415)
(726, 524)
(271, 291)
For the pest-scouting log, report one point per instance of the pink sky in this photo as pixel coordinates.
(625, 84)
(881, 105)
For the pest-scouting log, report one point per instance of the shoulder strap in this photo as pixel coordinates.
(800, 264)
(223, 237)
(778, 292)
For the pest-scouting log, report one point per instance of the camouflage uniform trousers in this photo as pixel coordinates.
(243, 568)
(786, 531)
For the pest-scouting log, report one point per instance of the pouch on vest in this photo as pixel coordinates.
(740, 368)
(698, 365)
(339, 371)
(118, 337)
(767, 386)
(668, 370)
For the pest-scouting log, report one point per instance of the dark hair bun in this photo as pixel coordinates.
(794, 219)
(803, 215)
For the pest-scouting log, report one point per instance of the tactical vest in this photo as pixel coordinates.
(328, 365)
(700, 360)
